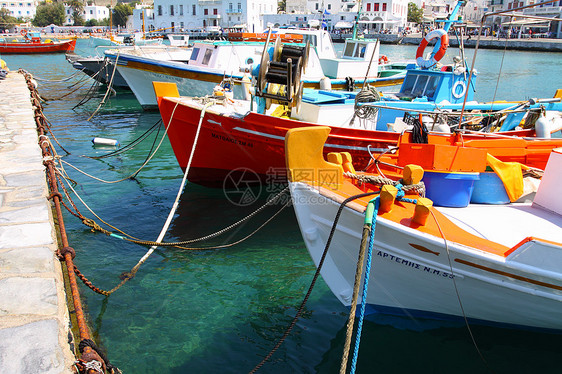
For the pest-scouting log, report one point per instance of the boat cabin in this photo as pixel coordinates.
(435, 85)
(359, 49)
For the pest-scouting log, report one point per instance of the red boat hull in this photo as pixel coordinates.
(252, 147)
(37, 47)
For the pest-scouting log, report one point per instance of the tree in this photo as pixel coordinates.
(6, 20)
(46, 14)
(120, 14)
(281, 6)
(415, 14)
(77, 7)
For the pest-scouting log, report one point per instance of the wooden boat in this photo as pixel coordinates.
(102, 69)
(32, 44)
(493, 263)
(212, 61)
(233, 136)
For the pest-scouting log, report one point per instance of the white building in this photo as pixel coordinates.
(552, 10)
(20, 9)
(208, 15)
(98, 13)
(376, 15)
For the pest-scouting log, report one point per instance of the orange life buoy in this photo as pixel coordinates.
(23, 32)
(439, 33)
(383, 60)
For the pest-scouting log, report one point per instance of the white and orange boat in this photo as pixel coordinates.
(448, 258)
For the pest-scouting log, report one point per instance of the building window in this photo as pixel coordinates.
(181, 9)
(384, 7)
(316, 6)
(239, 7)
(230, 7)
(215, 11)
(171, 10)
(159, 10)
(376, 7)
(205, 12)
(329, 6)
(368, 7)
(194, 10)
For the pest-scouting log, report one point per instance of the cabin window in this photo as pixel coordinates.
(207, 57)
(417, 85)
(194, 54)
(349, 49)
(360, 51)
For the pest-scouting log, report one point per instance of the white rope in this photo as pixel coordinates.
(183, 182)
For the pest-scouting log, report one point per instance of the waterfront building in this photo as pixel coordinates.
(376, 15)
(95, 12)
(20, 9)
(206, 15)
(520, 26)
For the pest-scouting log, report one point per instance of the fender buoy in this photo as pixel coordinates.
(439, 33)
(383, 60)
(458, 94)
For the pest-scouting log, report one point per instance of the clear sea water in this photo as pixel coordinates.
(222, 311)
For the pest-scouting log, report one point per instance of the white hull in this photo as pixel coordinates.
(140, 82)
(521, 289)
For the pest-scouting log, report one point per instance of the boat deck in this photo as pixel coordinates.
(506, 224)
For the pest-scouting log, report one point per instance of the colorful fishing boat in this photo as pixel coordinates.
(33, 44)
(444, 256)
(233, 136)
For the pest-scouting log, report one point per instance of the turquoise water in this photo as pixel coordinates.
(224, 310)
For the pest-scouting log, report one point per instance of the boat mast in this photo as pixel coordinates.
(354, 36)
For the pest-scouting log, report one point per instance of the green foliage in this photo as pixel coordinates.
(6, 20)
(93, 22)
(281, 6)
(49, 13)
(120, 14)
(415, 14)
(77, 18)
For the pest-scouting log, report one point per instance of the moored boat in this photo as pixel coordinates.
(33, 44)
(490, 263)
(212, 61)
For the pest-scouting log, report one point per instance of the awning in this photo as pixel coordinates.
(343, 25)
(240, 26)
(379, 21)
(525, 22)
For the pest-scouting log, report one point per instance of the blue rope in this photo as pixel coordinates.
(401, 193)
(365, 284)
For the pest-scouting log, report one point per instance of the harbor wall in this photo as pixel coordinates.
(34, 318)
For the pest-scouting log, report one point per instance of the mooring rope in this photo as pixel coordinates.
(470, 333)
(313, 282)
(146, 161)
(102, 102)
(129, 146)
(370, 217)
(59, 80)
